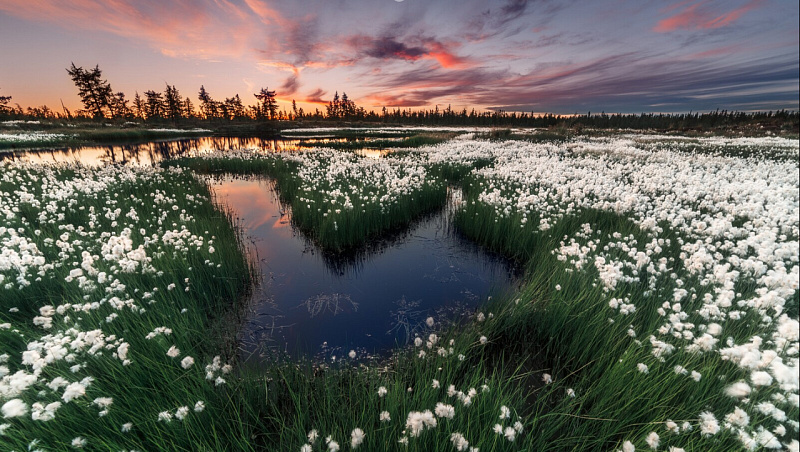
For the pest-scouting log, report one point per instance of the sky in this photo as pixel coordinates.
(557, 56)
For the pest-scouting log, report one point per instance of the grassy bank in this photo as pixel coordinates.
(659, 310)
(114, 301)
(340, 200)
(57, 137)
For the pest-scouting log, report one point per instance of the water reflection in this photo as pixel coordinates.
(153, 152)
(310, 302)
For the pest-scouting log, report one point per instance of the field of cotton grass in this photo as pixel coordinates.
(659, 310)
(18, 134)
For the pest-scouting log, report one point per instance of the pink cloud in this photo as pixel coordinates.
(178, 28)
(714, 52)
(411, 50)
(697, 16)
(391, 100)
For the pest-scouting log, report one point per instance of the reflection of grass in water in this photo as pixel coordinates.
(406, 318)
(402, 142)
(335, 303)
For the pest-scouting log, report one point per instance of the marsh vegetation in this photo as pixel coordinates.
(658, 309)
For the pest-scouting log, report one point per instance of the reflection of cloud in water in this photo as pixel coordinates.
(334, 302)
(281, 222)
(250, 193)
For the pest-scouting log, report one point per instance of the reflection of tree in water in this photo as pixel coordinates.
(406, 320)
(154, 151)
(334, 302)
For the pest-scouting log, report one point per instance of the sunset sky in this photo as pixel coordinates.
(543, 56)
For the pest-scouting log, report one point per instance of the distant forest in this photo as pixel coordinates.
(101, 102)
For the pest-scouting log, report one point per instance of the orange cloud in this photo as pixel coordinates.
(696, 17)
(391, 100)
(387, 48)
(444, 57)
(315, 97)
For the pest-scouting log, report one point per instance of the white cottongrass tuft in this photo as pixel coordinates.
(738, 417)
(708, 424)
(187, 362)
(738, 390)
(443, 410)
(761, 378)
(356, 437)
(181, 413)
(14, 408)
(459, 442)
(333, 446)
(73, 391)
(653, 440)
(418, 421)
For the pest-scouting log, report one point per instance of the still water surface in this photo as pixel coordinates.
(311, 303)
(155, 151)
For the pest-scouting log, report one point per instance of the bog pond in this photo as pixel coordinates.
(313, 303)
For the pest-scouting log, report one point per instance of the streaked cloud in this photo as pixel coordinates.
(701, 15)
(556, 55)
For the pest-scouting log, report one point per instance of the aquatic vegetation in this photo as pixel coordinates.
(684, 264)
(660, 310)
(8, 140)
(339, 199)
(110, 279)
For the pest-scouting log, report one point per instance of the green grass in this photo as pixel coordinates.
(346, 133)
(559, 323)
(403, 142)
(328, 221)
(597, 358)
(199, 318)
(74, 137)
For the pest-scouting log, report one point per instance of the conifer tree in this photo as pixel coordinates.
(138, 106)
(208, 107)
(95, 93)
(4, 100)
(268, 105)
(154, 104)
(173, 104)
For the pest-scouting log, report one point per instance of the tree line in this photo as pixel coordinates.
(100, 101)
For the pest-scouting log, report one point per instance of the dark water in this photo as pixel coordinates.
(310, 303)
(313, 303)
